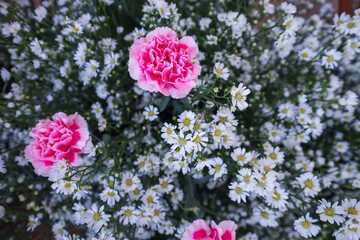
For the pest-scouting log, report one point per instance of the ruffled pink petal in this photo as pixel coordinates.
(197, 230)
(161, 32)
(216, 231)
(229, 228)
(81, 134)
(190, 43)
(161, 62)
(62, 138)
(135, 70)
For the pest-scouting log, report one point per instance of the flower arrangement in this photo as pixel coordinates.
(159, 119)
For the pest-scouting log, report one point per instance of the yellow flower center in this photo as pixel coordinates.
(352, 211)
(223, 119)
(111, 193)
(272, 156)
(129, 182)
(304, 55)
(217, 132)
(264, 214)
(276, 196)
(128, 213)
(238, 190)
(305, 224)
(67, 185)
(353, 229)
(238, 96)
(309, 183)
(156, 212)
(247, 179)
(197, 139)
(240, 158)
(351, 25)
(330, 59)
(329, 212)
(182, 141)
(97, 216)
(187, 122)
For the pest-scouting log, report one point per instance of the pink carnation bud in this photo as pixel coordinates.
(161, 62)
(65, 137)
(199, 230)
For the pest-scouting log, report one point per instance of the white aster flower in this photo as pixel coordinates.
(239, 96)
(96, 218)
(218, 168)
(331, 58)
(151, 113)
(310, 183)
(237, 193)
(128, 215)
(40, 13)
(221, 71)
(5, 74)
(305, 226)
(330, 212)
(110, 196)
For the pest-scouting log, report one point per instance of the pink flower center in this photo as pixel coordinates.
(166, 61)
(200, 234)
(226, 235)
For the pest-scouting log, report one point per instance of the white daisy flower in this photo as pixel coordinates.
(128, 215)
(237, 193)
(310, 183)
(221, 71)
(239, 96)
(330, 212)
(96, 218)
(305, 226)
(110, 196)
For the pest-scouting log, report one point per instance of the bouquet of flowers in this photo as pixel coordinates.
(191, 120)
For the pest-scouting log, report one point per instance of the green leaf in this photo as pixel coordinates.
(164, 102)
(186, 102)
(106, 139)
(190, 199)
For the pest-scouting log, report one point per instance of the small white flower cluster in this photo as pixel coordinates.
(268, 138)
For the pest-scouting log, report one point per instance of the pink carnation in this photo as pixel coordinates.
(63, 138)
(161, 62)
(199, 230)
